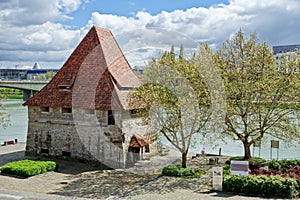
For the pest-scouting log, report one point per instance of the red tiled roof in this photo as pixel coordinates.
(96, 75)
(138, 141)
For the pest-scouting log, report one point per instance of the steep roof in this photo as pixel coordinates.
(96, 75)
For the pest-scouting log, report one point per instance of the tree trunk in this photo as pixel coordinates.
(247, 152)
(183, 159)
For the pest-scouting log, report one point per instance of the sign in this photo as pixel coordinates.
(275, 144)
(217, 178)
(239, 168)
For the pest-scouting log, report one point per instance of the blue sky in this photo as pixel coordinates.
(130, 8)
(48, 31)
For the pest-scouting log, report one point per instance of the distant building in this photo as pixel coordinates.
(24, 74)
(288, 52)
(83, 112)
(286, 48)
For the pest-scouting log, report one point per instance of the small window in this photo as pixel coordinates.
(45, 109)
(66, 110)
(44, 151)
(64, 87)
(110, 117)
(66, 153)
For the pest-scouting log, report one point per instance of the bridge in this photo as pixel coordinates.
(29, 87)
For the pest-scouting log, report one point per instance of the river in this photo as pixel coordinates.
(19, 122)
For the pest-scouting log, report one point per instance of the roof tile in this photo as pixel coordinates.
(94, 76)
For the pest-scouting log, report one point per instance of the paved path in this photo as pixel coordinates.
(10, 188)
(155, 164)
(11, 153)
(20, 195)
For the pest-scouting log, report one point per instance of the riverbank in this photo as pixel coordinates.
(19, 123)
(9, 93)
(83, 180)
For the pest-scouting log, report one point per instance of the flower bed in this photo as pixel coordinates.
(273, 179)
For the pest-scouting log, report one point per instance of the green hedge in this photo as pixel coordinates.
(251, 160)
(283, 164)
(178, 171)
(274, 186)
(27, 168)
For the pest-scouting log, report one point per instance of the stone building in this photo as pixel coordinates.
(83, 114)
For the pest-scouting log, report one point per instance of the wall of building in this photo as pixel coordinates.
(81, 135)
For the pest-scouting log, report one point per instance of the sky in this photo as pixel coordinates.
(47, 31)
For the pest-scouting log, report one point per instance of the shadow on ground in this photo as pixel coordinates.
(66, 167)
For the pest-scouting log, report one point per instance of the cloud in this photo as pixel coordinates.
(30, 30)
(275, 21)
(35, 26)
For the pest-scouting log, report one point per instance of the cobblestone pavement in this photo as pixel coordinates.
(140, 182)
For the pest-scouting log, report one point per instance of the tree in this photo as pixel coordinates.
(174, 99)
(260, 95)
(47, 76)
(4, 117)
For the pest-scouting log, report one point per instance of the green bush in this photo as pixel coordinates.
(27, 168)
(280, 165)
(274, 186)
(178, 171)
(251, 160)
(226, 170)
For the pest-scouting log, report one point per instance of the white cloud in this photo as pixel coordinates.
(32, 27)
(275, 21)
(29, 31)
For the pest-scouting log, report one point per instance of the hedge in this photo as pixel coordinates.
(178, 171)
(251, 160)
(27, 168)
(274, 186)
(283, 164)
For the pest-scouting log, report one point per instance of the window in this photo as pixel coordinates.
(45, 109)
(66, 153)
(66, 110)
(64, 87)
(44, 151)
(110, 117)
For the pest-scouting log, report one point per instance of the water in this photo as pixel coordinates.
(19, 121)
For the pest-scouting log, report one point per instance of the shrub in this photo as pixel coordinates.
(226, 170)
(283, 164)
(274, 186)
(178, 171)
(27, 168)
(251, 160)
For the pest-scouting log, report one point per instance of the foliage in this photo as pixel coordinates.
(174, 98)
(4, 117)
(226, 170)
(27, 168)
(293, 172)
(262, 98)
(274, 186)
(283, 164)
(178, 171)
(47, 76)
(251, 160)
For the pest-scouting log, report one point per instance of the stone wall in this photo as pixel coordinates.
(81, 135)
